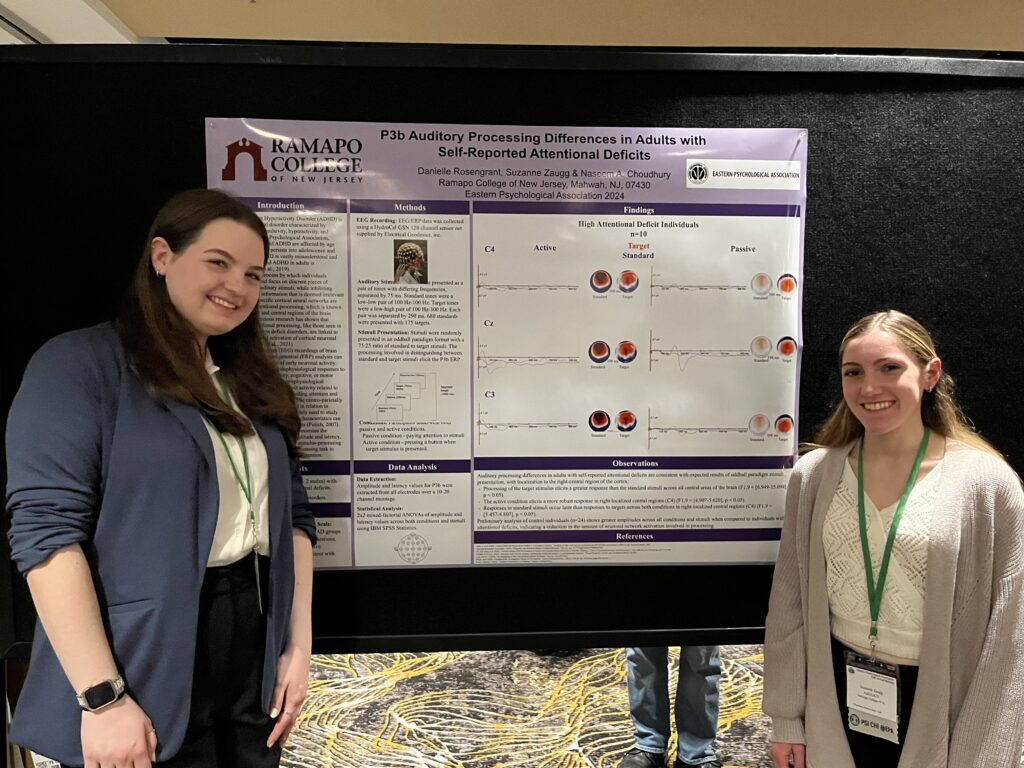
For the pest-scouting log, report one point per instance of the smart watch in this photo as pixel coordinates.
(101, 695)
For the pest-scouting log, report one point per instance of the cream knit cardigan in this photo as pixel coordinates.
(969, 705)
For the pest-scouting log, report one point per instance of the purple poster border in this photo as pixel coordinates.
(462, 170)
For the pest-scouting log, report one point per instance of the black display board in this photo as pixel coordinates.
(915, 181)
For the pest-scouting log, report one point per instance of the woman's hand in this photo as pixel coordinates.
(782, 753)
(118, 735)
(290, 692)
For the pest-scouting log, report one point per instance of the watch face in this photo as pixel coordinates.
(100, 694)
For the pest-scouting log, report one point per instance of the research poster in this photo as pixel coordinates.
(532, 345)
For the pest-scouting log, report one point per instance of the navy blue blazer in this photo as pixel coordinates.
(92, 459)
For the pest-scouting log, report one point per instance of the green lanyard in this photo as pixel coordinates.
(246, 486)
(875, 590)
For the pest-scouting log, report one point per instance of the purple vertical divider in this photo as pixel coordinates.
(472, 392)
(800, 298)
(351, 386)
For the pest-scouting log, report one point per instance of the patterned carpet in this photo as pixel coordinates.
(503, 709)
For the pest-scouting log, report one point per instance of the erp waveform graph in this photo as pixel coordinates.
(486, 289)
(492, 363)
(485, 426)
(661, 286)
(660, 351)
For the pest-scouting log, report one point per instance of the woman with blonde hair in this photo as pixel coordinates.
(895, 630)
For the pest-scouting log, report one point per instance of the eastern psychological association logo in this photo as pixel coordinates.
(244, 147)
(698, 173)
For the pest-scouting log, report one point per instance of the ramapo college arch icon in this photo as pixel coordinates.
(244, 147)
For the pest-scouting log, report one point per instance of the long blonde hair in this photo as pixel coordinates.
(939, 409)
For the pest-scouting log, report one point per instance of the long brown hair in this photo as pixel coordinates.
(161, 345)
(939, 409)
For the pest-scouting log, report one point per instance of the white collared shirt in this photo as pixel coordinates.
(233, 538)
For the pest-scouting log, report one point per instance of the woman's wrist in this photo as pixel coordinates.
(301, 642)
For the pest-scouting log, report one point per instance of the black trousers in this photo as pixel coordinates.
(227, 727)
(870, 751)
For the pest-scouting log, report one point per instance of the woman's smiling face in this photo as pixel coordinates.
(214, 283)
(883, 385)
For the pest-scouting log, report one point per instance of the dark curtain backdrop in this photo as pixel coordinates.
(914, 202)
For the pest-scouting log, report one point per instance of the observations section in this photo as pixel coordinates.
(628, 510)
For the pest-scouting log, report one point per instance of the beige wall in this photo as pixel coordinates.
(897, 24)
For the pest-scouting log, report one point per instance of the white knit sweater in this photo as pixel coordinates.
(901, 616)
(969, 705)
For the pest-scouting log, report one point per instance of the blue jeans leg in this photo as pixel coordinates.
(700, 673)
(647, 685)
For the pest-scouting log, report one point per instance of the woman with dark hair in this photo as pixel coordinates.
(896, 624)
(159, 518)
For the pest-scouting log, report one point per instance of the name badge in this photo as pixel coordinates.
(872, 697)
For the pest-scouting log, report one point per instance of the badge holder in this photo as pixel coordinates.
(873, 693)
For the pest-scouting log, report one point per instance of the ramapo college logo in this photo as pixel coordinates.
(698, 173)
(302, 160)
(244, 147)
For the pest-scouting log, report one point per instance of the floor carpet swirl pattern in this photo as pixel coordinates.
(501, 709)
(498, 709)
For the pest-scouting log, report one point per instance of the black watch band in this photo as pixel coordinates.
(101, 695)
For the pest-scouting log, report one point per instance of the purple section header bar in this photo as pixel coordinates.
(336, 509)
(640, 209)
(295, 205)
(410, 206)
(416, 467)
(627, 537)
(630, 463)
(325, 467)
